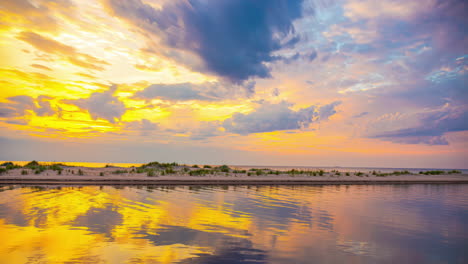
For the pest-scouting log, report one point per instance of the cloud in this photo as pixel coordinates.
(270, 117)
(209, 91)
(67, 52)
(328, 110)
(173, 92)
(144, 126)
(40, 15)
(234, 39)
(102, 105)
(360, 114)
(206, 129)
(42, 67)
(18, 105)
(431, 127)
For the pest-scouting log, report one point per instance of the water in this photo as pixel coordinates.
(235, 224)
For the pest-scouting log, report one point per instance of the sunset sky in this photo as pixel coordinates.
(267, 82)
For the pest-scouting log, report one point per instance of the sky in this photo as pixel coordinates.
(239, 82)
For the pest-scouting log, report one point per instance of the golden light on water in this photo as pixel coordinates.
(172, 224)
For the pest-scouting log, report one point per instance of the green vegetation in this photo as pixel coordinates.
(169, 170)
(432, 172)
(32, 164)
(156, 164)
(224, 168)
(200, 172)
(3, 170)
(119, 171)
(38, 168)
(158, 168)
(438, 172)
(401, 172)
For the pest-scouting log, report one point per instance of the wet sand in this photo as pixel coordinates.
(91, 176)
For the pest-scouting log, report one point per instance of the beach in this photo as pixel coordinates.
(187, 175)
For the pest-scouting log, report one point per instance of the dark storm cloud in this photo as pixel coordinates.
(234, 39)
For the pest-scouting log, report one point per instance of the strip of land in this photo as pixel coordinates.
(174, 174)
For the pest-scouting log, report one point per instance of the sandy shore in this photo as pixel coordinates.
(91, 176)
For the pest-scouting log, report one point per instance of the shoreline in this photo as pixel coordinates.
(224, 180)
(174, 174)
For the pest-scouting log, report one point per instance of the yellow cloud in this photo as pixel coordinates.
(67, 52)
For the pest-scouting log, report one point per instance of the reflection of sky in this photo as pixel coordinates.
(384, 224)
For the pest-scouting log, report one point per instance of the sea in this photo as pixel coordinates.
(417, 223)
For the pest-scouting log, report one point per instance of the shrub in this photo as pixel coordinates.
(207, 167)
(170, 171)
(400, 172)
(32, 164)
(24, 172)
(3, 170)
(199, 172)
(12, 166)
(80, 172)
(224, 168)
(55, 167)
(150, 173)
(259, 172)
(101, 173)
(433, 172)
(119, 172)
(6, 163)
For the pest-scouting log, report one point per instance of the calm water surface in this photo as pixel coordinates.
(236, 224)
